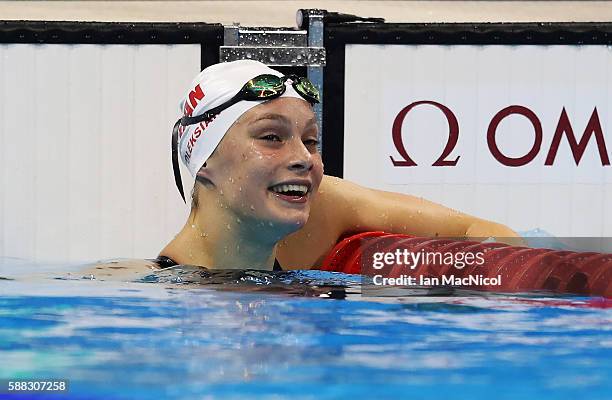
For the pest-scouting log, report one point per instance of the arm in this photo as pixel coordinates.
(364, 209)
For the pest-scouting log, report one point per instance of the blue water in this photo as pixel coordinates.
(286, 336)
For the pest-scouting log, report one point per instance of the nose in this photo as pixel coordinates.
(301, 158)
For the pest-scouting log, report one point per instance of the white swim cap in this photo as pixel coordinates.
(214, 86)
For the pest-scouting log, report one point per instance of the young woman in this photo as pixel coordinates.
(248, 136)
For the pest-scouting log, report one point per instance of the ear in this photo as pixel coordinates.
(205, 176)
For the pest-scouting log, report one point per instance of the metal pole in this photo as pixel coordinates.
(315, 73)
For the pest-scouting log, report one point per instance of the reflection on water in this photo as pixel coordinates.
(292, 283)
(253, 334)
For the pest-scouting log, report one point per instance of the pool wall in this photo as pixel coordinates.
(97, 101)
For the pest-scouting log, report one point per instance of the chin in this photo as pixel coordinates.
(291, 222)
(285, 215)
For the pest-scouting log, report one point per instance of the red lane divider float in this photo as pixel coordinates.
(521, 269)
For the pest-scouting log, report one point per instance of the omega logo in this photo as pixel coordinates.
(564, 127)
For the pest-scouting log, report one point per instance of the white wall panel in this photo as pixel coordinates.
(85, 149)
(48, 145)
(2, 156)
(19, 129)
(117, 153)
(555, 212)
(606, 219)
(476, 82)
(86, 126)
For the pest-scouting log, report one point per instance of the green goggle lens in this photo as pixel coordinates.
(305, 87)
(264, 86)
(267, 86)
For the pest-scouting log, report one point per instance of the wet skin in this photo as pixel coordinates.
(243, 211)
(271, 144)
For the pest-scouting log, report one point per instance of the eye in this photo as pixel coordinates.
(311, 142)
(271, 137)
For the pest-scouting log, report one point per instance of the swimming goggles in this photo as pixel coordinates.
(262, 87)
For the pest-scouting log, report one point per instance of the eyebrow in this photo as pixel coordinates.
(273, 117)
(312, 121)
(282, 119)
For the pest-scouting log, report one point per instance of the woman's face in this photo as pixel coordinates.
(267, 167)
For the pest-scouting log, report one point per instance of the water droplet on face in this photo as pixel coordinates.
(221, 192)
(252, 207)
(238, 220)
(193, 226)
(176, 280)
(228, 226)
(270, 223)
(231, 180)
(225, 249)
(203, 234)
(240, 189)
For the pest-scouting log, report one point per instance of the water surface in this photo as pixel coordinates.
(184, 334)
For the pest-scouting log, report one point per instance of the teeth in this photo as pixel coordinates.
(302, 189)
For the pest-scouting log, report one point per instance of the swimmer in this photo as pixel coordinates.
(248, 137)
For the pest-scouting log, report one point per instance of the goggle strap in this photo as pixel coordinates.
(175, 164)
(186, 121)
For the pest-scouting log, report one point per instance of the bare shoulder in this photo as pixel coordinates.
(123, 270)
(335, 194)
(344, 195)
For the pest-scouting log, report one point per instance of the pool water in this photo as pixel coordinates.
(183, 334)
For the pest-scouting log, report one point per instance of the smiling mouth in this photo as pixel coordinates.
(290, 193)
